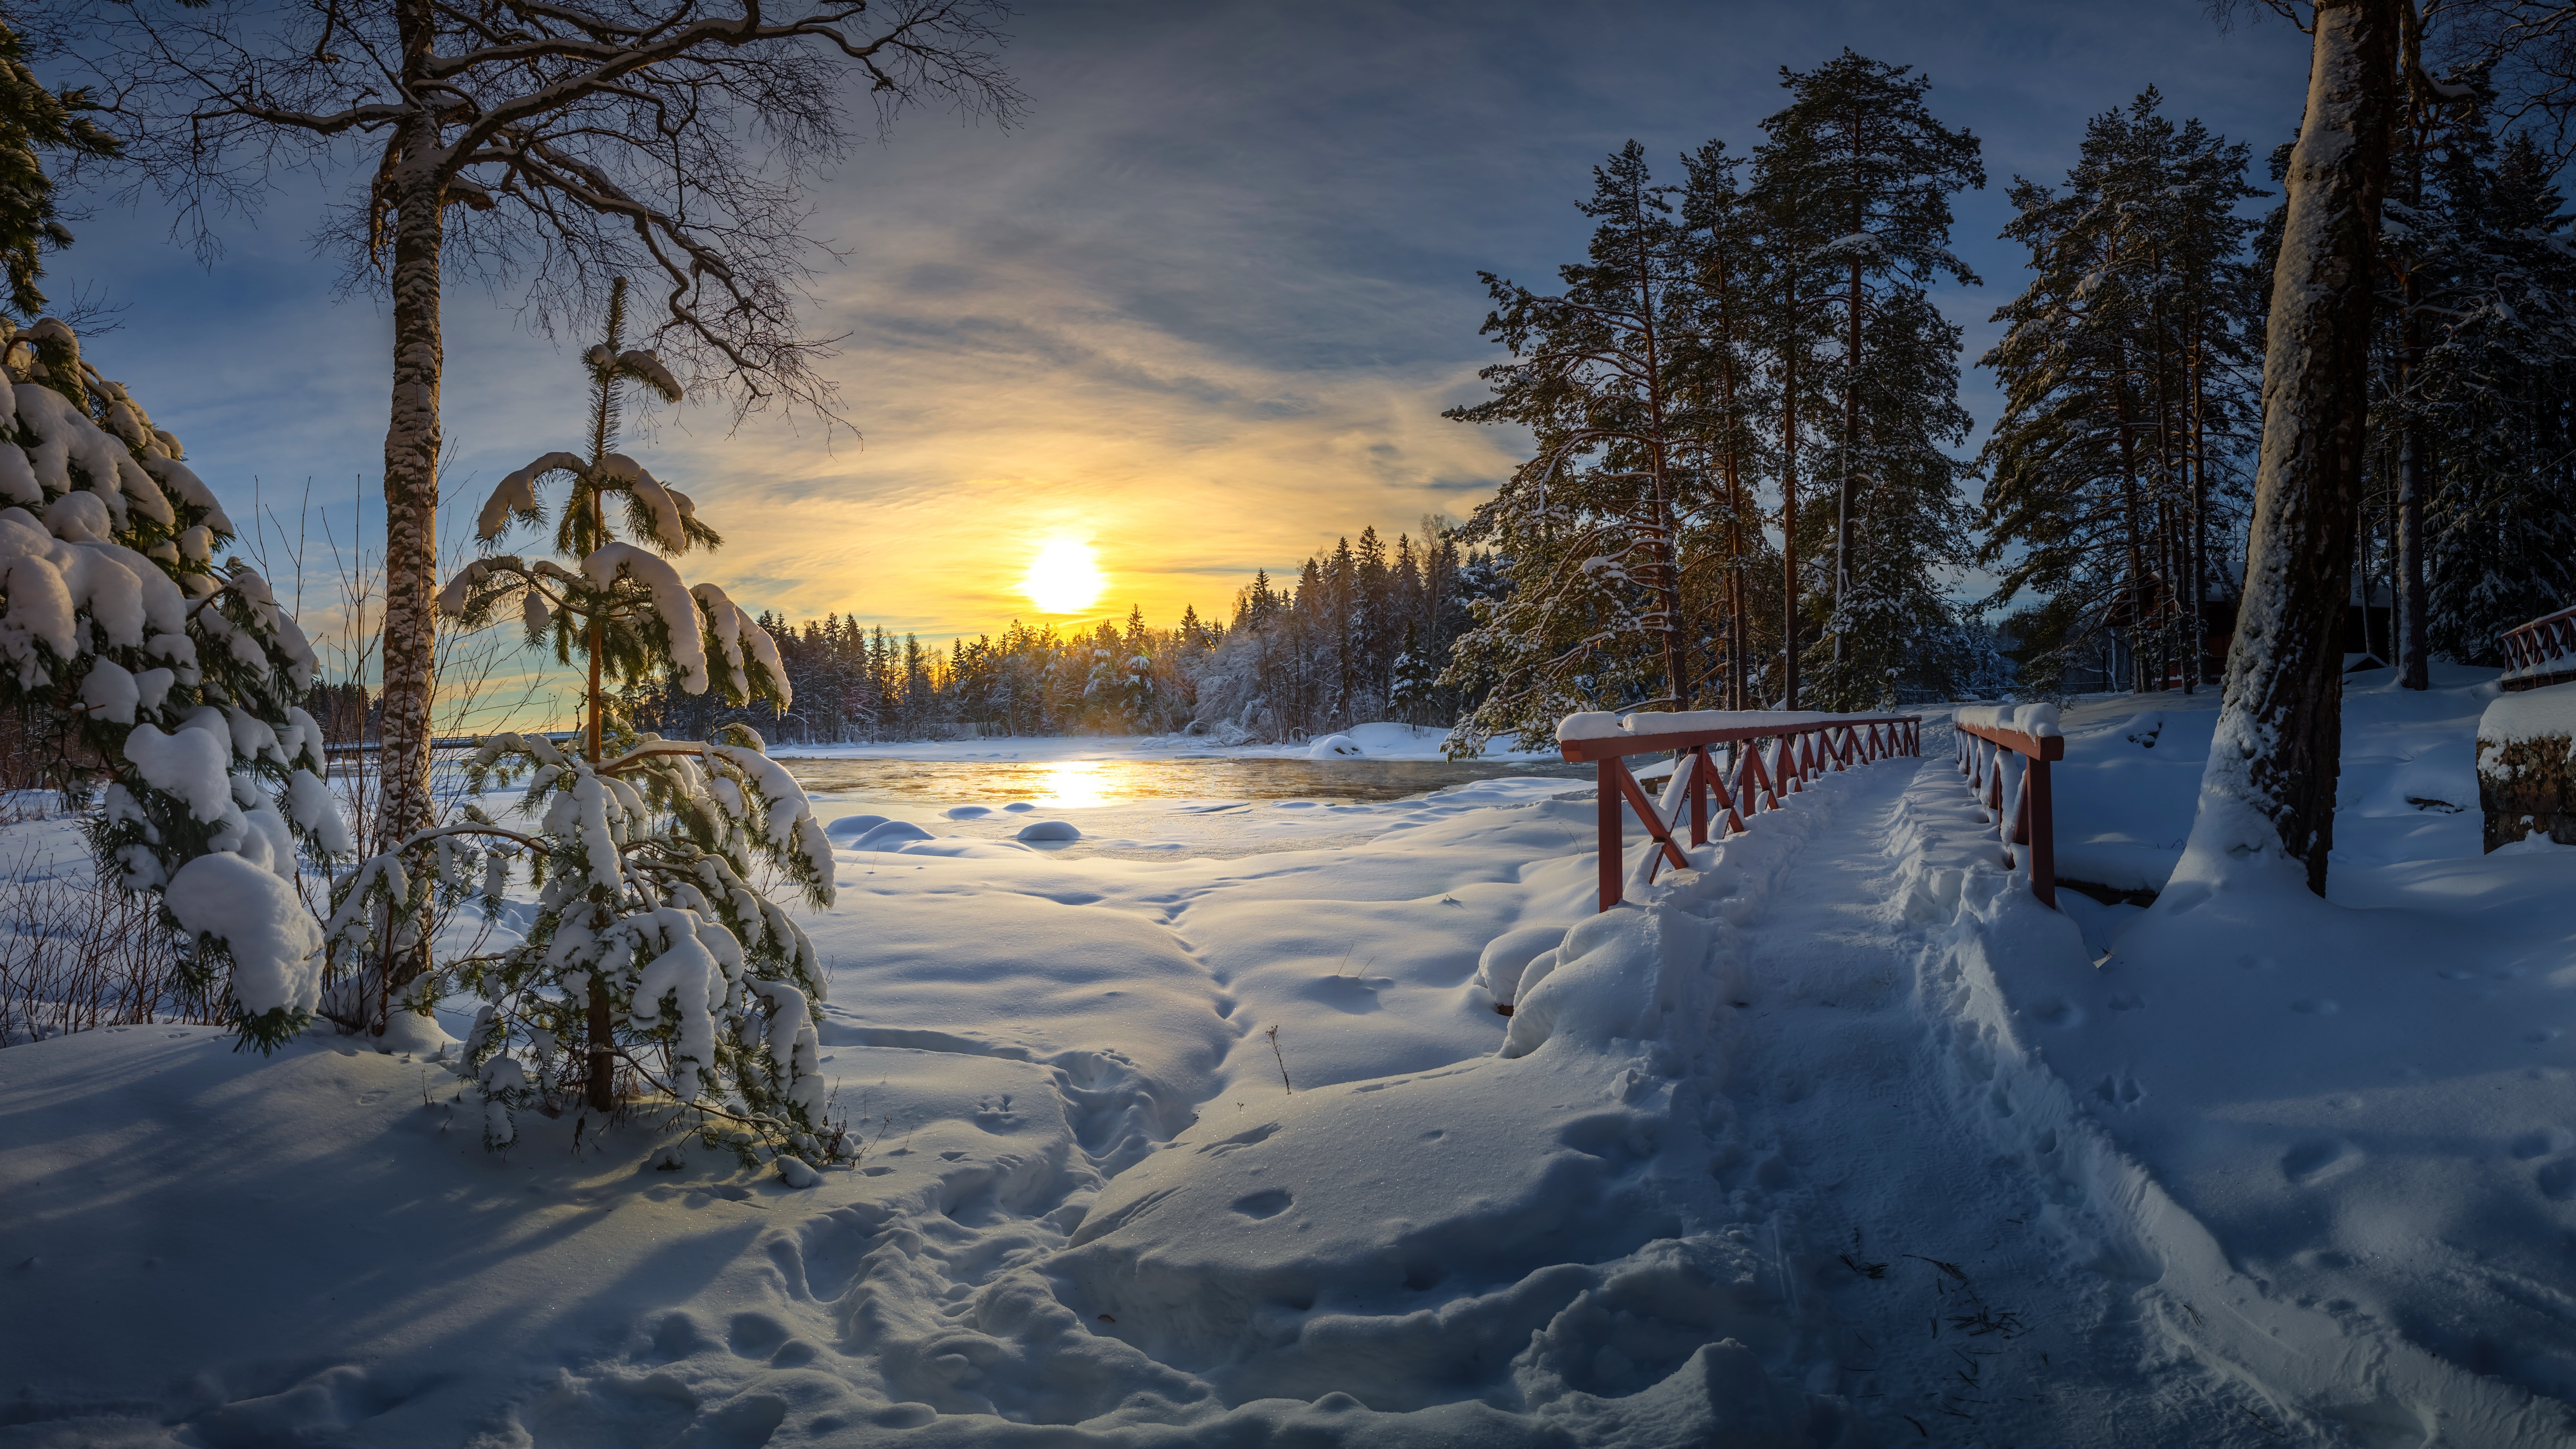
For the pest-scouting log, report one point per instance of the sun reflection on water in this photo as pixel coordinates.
(1072, 784)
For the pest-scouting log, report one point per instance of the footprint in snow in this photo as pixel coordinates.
(2319, 1160)
(2540, 1144)
(1267, 1204)
(2119, 1091)
(2557, 1181)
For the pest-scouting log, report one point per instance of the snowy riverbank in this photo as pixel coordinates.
(1369, 741)
(1846, 1140)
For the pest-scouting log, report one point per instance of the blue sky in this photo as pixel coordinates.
(1201, 307)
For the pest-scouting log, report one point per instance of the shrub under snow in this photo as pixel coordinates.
(126, 645)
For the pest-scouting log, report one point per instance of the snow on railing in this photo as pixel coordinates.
(2540, 652)
(1806, 744)
(2017, 794)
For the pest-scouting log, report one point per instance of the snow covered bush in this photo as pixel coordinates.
(133, 654)
(651, 943)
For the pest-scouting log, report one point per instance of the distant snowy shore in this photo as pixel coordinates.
(1369, 741)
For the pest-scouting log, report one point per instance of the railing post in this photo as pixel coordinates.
(1697, 762)
(2043, 831)
(1611, 839)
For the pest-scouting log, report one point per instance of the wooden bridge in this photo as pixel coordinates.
(2542, 652)
(1801, 747)
(2004, 751)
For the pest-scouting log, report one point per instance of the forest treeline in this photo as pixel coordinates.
(1362, 634)
(1750, 485)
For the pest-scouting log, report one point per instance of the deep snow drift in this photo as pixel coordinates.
(1843, 1139)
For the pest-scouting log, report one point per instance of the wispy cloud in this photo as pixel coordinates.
(1202, 310)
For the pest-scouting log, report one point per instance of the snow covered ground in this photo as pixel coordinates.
(1842, 1140)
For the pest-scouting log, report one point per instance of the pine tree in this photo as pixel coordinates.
(2491, 395)
(2128, 369)
(34, 119)
(1794, 328)
(1732, 409)
(649, 945)
(125, 646)
(1591, 524)
(1858, 155)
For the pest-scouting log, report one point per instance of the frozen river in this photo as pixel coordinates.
(1163, 808)
(1094, 783)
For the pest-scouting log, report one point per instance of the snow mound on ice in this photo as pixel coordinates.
(1050, 830)
(846, 830)
(887, 835)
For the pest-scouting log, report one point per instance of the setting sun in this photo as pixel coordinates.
(1065, 578)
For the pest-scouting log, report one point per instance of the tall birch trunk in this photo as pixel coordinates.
(2269, 789)
(411, 504)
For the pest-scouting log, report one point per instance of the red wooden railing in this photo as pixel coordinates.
(2025, 813)
(1803, 747)
(2540, 652)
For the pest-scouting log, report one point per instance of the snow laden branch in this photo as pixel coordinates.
(653, 945)
(136, 657)
(563, 143)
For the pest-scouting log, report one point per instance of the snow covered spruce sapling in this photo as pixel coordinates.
(129, 652)
(650, 946)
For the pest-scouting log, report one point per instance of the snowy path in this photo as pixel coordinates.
(1866, 1144)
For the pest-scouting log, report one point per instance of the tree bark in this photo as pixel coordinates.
(2269, 788)
(1668, 582)
(2199, 513)
(411, 523)
(1844, 494)
(1789, 509)
(2412, 651)
(2133, 517)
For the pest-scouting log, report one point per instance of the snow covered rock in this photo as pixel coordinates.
(1335, 747)
(1046, 830)
(2527, 766)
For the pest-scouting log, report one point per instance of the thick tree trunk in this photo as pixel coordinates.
(411, 520)
(2269, 788)
(2413, 669)
(411, 542)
